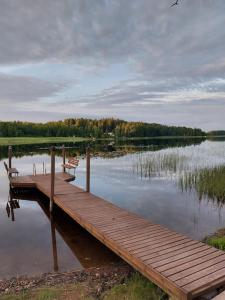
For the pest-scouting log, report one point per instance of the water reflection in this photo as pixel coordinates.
(32, 245)
(100, 147)
(11, 205)
(54, 245)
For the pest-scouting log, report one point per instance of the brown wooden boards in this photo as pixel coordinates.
(182, 267)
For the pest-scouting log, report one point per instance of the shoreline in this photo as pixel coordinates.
(15, 141)
(99, 278)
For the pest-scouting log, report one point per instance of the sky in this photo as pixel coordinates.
(134, 60)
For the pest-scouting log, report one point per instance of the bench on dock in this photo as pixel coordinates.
(71, 164)
(11, 171)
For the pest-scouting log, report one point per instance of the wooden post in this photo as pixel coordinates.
(11, 206)
(64, 157)
(88, 170)
(10, 156)
(52, 178)
(54, 245)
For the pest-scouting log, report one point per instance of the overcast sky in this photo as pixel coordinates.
(130, 59)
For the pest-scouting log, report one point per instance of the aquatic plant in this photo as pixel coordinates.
(208, 182)
(159, 164)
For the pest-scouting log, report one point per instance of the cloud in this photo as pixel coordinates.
(172, 59)
(149, 34)
(18, 89)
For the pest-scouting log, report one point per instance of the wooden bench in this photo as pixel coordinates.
(11, 171)
(71, 164)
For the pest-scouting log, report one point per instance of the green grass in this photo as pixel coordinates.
(135, 288)
(38, 140)
(42, 294)
(217, 242)
(5, 141)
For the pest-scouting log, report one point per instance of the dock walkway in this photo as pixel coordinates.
(182, 267)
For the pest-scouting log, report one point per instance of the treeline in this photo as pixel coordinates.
(93, 128)
(217, 133)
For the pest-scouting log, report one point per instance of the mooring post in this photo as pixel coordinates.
(52, 178)
(10, 156)
(88, 170)
(54, 245)
(64, 157)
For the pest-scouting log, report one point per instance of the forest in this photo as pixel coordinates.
(96, 128)
(217, 133)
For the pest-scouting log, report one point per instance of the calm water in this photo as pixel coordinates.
(35, 243)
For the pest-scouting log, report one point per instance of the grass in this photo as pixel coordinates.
(6, 141)
(217, 240)
(42, 294)
(208, 182)
(38, 140)
(134, 288)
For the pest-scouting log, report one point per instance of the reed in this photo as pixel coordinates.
(208, 182)
(159, 164)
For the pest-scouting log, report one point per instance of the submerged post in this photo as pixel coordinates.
(64, 157)
(10, 156)
(52, 177)
(54, 245)
(88, 170)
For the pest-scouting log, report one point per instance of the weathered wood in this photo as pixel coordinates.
(10, 158)
(88, 170)
(52, 178)
(64, 157)
(182, 267)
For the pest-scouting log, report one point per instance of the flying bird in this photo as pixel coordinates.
(175, 3)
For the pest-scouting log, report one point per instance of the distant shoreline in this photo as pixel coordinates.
(6, 141)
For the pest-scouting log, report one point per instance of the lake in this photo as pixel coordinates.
(174, 182)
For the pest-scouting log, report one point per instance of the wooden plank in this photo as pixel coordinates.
(181, 266)
(161, 241)
(175, 255)
(198, 267)
(172, 264)
(136, 232)
(169, 259)
(193, 263)
(201, 273)
(173, 249)
(160, 235)
(206, 282)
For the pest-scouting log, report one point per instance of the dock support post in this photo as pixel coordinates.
(64, 157)
(54, 245)
(10, 156)
(52, 178)
(88, 170)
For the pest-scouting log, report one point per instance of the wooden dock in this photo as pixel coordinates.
(182, 267)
